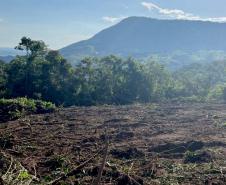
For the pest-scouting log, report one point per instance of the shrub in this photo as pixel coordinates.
(44, 107)
(199, 157)
(15, 108)
(224, 94)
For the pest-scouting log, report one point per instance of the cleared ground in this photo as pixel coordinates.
(148, 144)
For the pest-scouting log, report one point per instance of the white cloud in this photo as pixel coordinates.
(149, 6)
(1, 20)
(112, 19)
(217, 19)
(174, 13)
(179, 14)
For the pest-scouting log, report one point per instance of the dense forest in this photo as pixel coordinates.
(45, 74)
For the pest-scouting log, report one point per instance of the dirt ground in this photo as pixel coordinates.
(148, 144)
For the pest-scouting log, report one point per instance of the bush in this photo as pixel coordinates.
(15, 108)
(44, 107)
(199, 157)
(217, 93)
(224, 94)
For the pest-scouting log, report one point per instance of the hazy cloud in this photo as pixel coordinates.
(1, 20)
(179, 14)
(112, 19)
(217, 19)
(149, 6)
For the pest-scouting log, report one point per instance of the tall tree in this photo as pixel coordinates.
(33, 49)
(3, 79)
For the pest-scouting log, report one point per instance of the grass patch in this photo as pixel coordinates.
(224, 125)
(11, 109)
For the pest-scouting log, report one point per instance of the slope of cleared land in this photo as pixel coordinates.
(148, 144)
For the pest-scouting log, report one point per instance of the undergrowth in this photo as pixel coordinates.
(15, 108)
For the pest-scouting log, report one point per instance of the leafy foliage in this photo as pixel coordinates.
(3, 78)
(45, 74)
(205, 82)
(16, 108)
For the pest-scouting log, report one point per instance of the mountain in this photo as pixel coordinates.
(8, 54)
(143, 37)
(7, 58)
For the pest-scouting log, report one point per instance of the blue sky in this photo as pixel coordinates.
(62, 22)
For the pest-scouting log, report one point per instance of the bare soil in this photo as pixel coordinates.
(148, 144)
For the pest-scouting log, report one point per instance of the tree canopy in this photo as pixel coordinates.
(45, 74)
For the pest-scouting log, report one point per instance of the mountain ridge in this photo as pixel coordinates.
(142, 36)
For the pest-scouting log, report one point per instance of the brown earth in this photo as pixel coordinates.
(148, 144)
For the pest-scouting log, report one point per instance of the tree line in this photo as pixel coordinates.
(45, 74)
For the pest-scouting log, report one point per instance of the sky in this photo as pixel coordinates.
(62, 22)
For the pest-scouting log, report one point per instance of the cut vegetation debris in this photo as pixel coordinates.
(169, 144)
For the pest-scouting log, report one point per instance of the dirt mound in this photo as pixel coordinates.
(6, 141)
(124, 135)
(171, 148)
(129, 153)
(199, 157)
(126, 180)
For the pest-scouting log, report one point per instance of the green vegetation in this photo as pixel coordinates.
(16, 108)
(43, 74)
(198, 157)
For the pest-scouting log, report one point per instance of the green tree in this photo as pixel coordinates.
(3, 79)
(85, 77)
(33, 50)
(41, 74)
(58, 80)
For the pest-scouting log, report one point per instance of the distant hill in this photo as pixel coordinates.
(8, 54)
(143, 37)
(7, 58)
